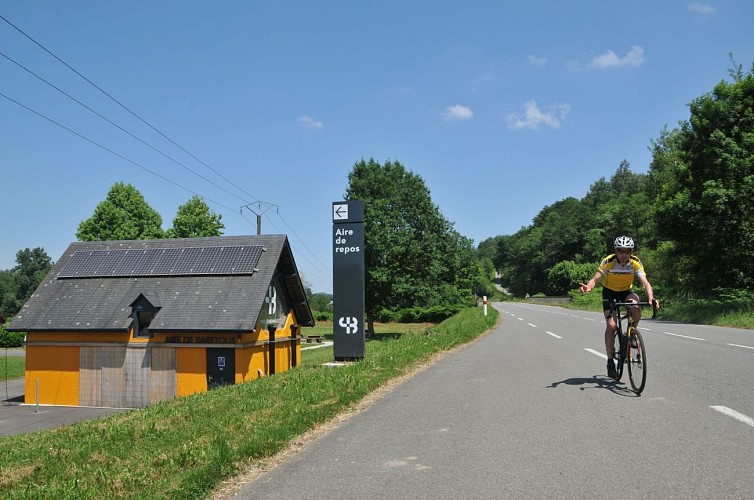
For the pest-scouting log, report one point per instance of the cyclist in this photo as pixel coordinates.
(617, 272)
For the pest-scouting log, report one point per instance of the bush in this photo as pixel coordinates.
(387, 316)
(322, 315)
(11, 339)
(434, 314)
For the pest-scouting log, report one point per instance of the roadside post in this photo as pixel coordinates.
(484, 301)
(349, 341)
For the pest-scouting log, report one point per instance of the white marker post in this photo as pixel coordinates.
(484, 301)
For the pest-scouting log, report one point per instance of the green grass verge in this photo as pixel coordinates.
(184, 448)
(733, 313)
(11, 366)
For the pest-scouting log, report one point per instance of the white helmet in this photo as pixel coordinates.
(624, 242)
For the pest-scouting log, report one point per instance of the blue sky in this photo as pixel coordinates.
(502, 108)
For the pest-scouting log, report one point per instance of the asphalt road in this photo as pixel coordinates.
(528, 412)
(18, 418)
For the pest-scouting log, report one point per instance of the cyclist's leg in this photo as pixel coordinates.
(610, 327)
(608, 296)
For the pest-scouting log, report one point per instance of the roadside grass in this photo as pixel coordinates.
(732, 313)
(11, 366)
(186, 447)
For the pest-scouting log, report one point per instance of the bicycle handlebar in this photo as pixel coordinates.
(631, 304)
(615, 304)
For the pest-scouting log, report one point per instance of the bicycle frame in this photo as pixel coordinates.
(631, 346)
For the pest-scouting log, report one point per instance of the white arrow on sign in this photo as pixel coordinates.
(340, 212)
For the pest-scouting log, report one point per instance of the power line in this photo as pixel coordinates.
(302, 242)
(124, 106)
(118, 126)
(137, 116)
(111, 151)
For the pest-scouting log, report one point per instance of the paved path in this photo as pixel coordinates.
(527, 412)
(18, 418)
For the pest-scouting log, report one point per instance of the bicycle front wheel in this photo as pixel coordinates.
(637, 361)
(620, 354)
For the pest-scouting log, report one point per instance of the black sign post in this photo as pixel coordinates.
(349, 342)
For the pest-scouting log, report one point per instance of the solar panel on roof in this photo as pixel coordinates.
(186, 261)
(226, 260)
(77, 261)
(248, 259)
(129, 261)
(206, 261)
(164, 265)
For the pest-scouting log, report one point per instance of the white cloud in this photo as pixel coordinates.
(309, 122)
(634, 57)
(533, 117)
(702, 8)
(535, 61)
(457, 113)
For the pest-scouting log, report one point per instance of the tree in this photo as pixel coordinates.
(17, 285)
(564, 276)
(124, 215)
(321, 301)
(195, 220)
(7, 294)
(705, 208)
(413, 257)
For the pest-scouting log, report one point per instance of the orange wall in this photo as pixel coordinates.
(57, 366)
(249, 361)
(57, 369)
(191, 370)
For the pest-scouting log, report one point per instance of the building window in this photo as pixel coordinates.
(143, 311)
(143, 319)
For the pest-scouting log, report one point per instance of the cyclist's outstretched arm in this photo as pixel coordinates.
(589, 285)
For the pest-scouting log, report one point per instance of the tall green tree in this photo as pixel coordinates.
(413, 256)
(195, 220)
(17, 285)
(706, 210)
(7, 295)
(547, 256)
(123, 215)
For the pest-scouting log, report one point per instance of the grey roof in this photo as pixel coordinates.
(206, 302)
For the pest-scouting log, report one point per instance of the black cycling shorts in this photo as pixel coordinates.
(611, 295)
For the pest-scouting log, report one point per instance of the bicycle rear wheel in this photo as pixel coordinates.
(637, 361)
(619, 354)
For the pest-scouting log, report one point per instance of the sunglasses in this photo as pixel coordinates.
(623, 250)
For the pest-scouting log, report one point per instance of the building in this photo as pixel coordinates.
(129, 323)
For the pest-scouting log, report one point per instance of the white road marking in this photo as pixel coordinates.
(531, 325)
(682, 336)
(600, 354)
(520, 319)
(744, 346)
(733, 413)
(556, 336)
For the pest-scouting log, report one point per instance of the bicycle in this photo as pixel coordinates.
(635, 357)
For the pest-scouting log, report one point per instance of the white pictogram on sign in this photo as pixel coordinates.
(351, 324)
(270, 299)
(340, 212)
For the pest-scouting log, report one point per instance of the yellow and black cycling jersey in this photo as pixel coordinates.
(618, 277)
